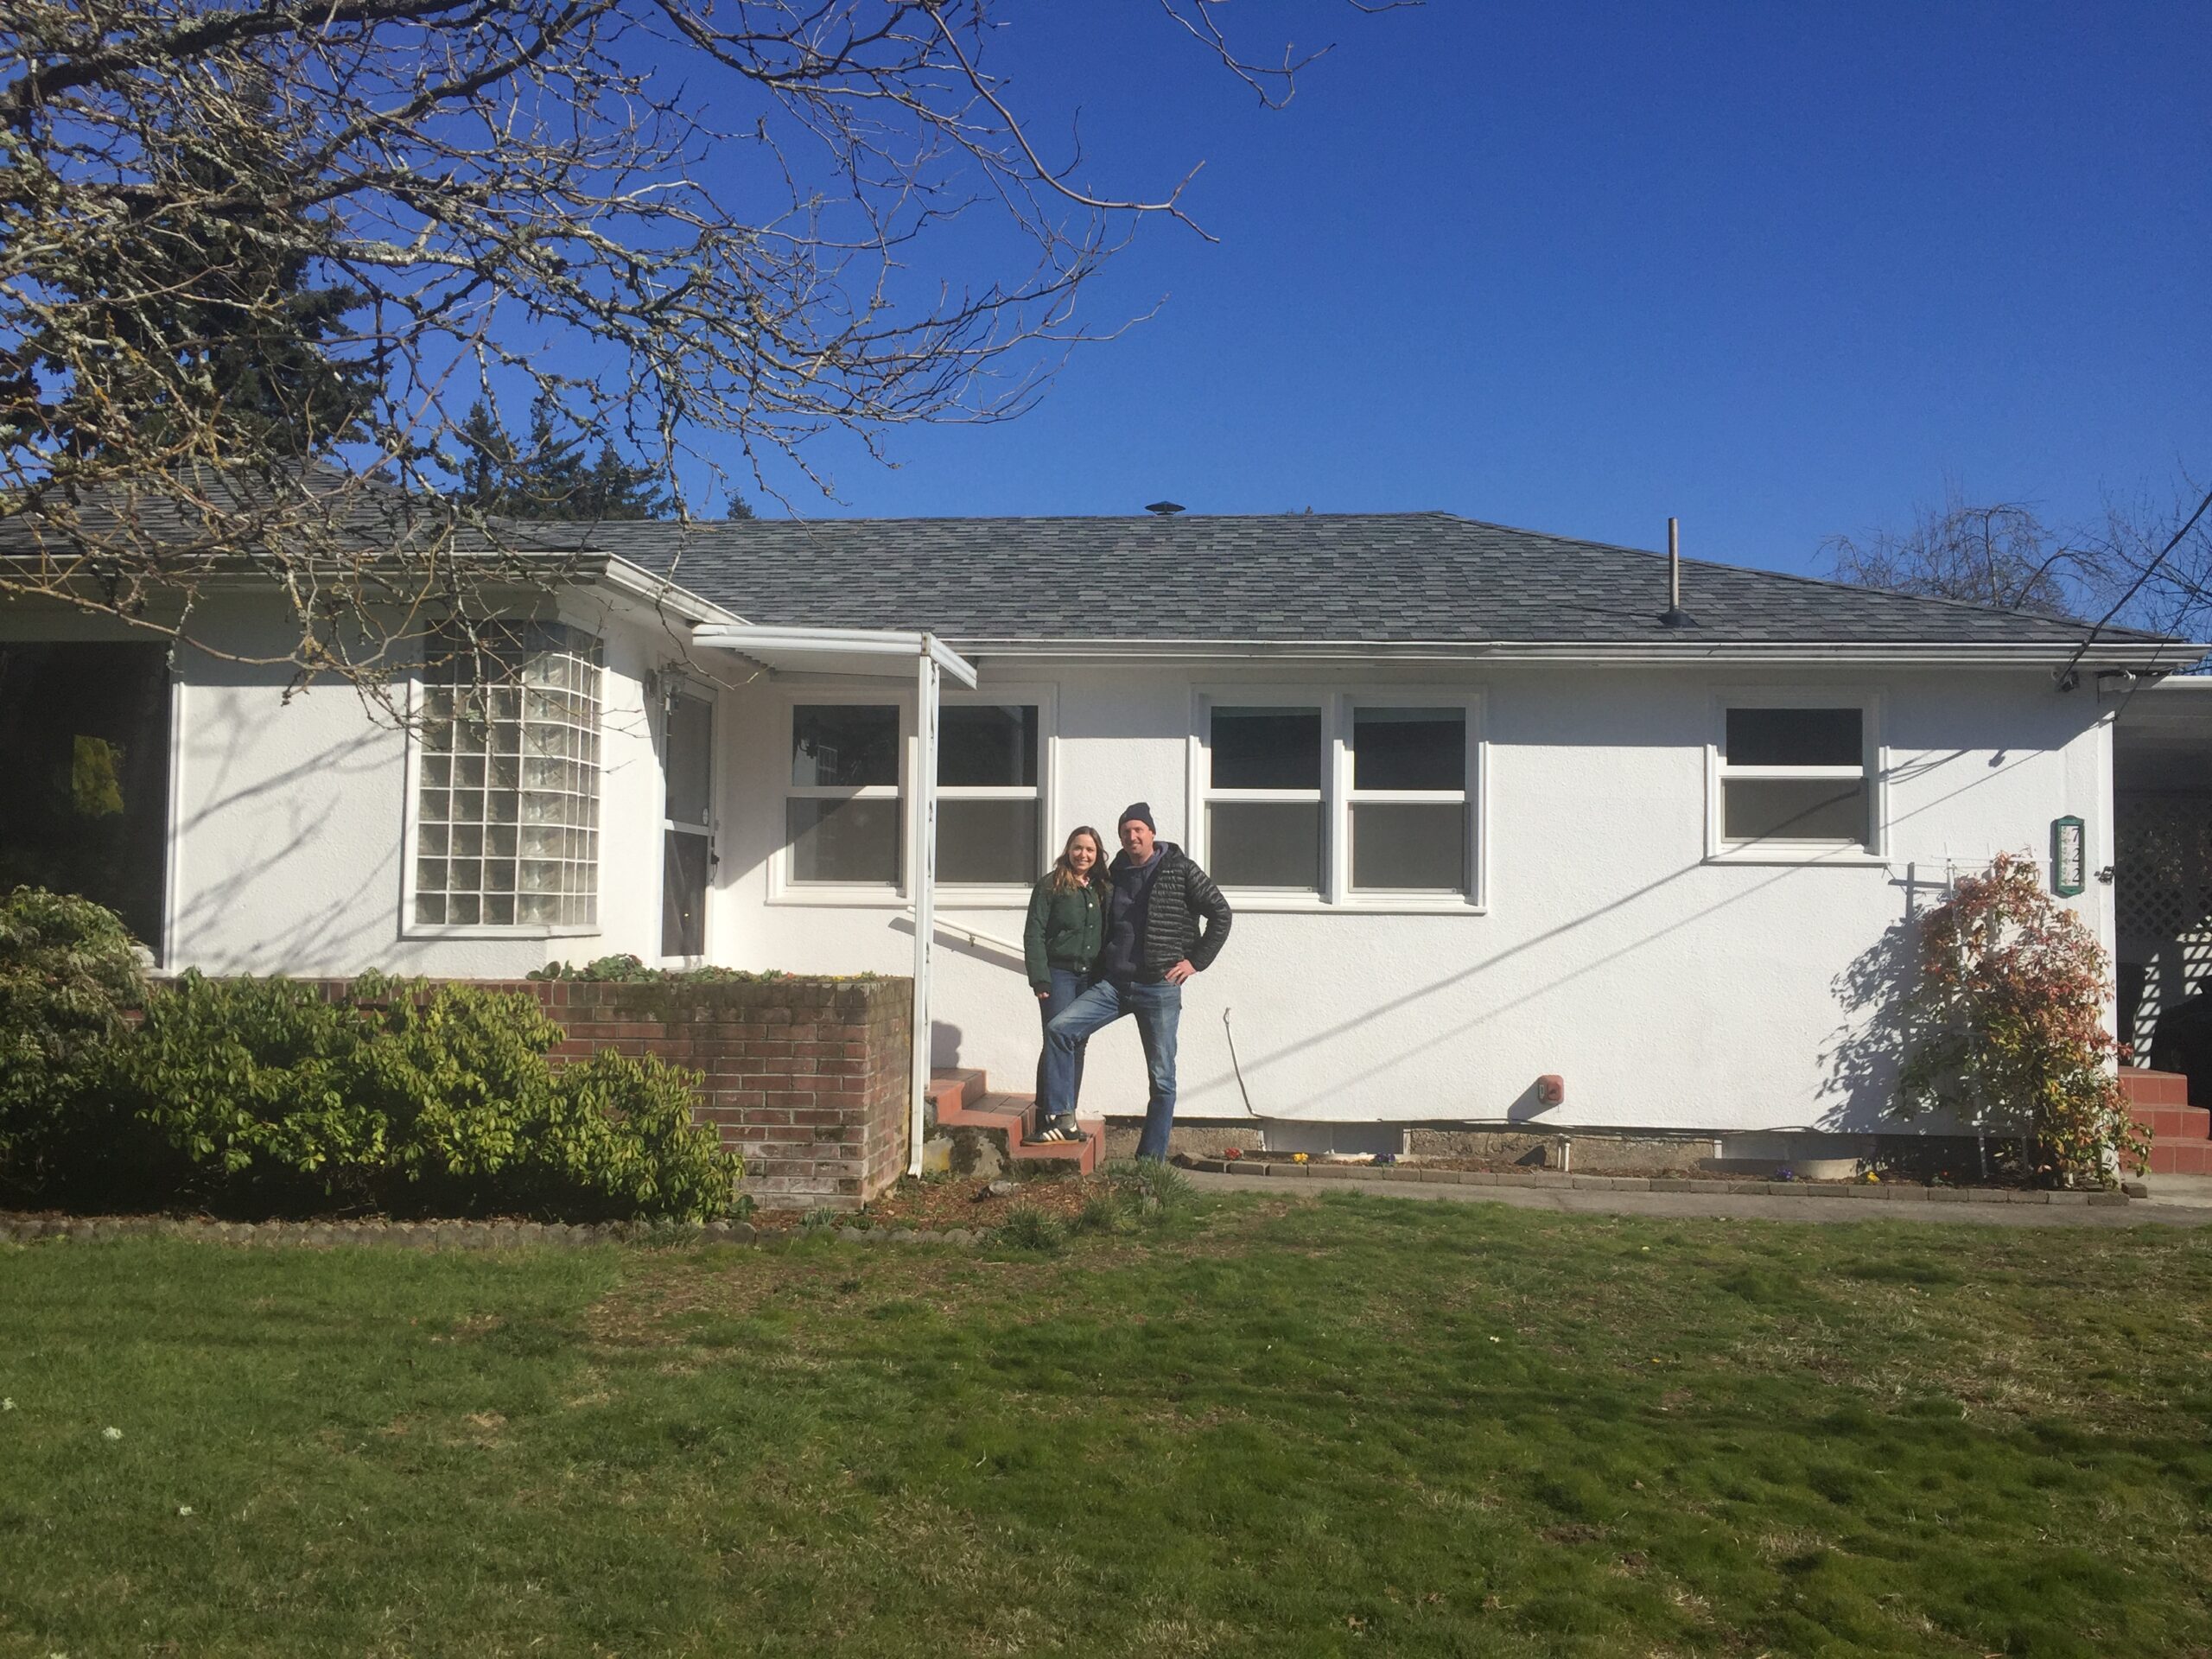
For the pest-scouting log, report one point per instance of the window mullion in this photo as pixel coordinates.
(1408, 797)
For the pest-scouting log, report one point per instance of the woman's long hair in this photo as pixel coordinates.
(1065, 879)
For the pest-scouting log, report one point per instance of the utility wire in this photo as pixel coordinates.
(2066, 674)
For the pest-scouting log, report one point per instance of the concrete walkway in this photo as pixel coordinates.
(2168, 1206)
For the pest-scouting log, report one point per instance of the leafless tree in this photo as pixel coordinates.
(2154, 555)
(2001, 554)
(707, 230)
(2146, 563)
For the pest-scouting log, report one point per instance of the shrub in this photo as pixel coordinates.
(2007, 1023)
(406, 1101)
(69, 970)
(625, 969)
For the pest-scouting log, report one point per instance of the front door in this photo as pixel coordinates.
(688, 836)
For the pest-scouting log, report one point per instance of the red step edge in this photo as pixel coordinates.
(960, 1099)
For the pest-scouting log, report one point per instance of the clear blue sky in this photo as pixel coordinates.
(1782, 270)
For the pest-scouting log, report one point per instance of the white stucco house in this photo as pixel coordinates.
(1485, 813)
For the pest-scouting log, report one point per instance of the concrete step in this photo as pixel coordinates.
(2181, 1158)
(1019, 1112)
(960, 1099)
(2181, 1135)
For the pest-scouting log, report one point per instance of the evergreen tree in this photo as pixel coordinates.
(208, 330)
(546, 477)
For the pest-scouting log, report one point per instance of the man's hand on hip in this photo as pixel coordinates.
(1181, 971)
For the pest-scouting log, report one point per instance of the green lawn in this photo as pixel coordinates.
(1347, 1425)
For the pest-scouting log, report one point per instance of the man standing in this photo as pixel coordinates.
(1154, 943)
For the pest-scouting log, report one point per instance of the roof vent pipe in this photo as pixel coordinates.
(1164, 509)
(1674, 616)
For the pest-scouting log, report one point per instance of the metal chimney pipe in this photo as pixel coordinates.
(1674, 616)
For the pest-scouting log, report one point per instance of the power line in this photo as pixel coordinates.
(2066, 674)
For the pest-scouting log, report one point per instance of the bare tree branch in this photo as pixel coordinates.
(259, 258)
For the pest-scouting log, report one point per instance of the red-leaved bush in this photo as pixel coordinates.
(2008, 1022)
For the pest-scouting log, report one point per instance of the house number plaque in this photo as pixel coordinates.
(2068, 857)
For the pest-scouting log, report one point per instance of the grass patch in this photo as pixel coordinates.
(1257, 1424)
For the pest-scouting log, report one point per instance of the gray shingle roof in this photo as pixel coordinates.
(1380, 579)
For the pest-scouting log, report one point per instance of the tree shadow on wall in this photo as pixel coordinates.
(1867, 1051)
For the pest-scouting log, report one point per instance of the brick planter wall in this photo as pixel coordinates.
(806, 1077)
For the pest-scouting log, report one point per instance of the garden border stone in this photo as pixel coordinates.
(1890, 1192)
(500, 1234)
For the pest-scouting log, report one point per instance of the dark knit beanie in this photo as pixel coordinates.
(1141, 812)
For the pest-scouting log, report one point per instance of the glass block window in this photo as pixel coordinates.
(506, 808)
(1795, 777)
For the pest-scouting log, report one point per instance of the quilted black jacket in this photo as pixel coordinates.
(1182, 893)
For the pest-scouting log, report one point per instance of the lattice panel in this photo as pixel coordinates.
(2162, 897)
(2163, 873)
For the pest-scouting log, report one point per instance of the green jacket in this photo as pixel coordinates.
(1065, 929)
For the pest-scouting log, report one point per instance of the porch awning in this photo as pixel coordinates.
(867, 653)
(879, 653)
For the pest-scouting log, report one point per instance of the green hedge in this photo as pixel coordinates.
(69, 972)
(263, 1097)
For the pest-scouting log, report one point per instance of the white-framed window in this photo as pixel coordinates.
(1265, 802)
(687, 821)
(1358, 798)
(505, 783)
(990, 793)
(1796, 774)
(843, 814)
(1411, 823)
(846, 822)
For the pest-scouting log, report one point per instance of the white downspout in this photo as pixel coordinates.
(922, 884)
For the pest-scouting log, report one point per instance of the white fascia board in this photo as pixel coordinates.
(2156, 657)
(664, 597)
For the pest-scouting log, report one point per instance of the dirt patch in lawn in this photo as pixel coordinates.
(938, 1204)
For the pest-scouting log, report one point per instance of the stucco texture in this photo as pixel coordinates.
(1669, 991)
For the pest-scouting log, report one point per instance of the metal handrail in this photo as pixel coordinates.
(973, 936)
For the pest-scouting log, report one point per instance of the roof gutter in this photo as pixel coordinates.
(2155, 656)
(634, 581)
(564, 567)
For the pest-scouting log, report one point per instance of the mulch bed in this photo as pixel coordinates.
(944, 1202)
(1510, 1165)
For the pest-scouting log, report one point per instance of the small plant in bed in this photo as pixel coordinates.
(1109, 1211)
(1026, 1228)
(1153, 1187)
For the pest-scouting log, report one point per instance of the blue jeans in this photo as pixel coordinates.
(1067, 985)
(1159, 1009)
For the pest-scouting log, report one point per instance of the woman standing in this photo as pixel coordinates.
(1065, 931)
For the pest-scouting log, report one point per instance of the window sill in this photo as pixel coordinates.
(853, 897)
(1283, 903)
(889, 898)
(1856, 858)
(484, 931)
